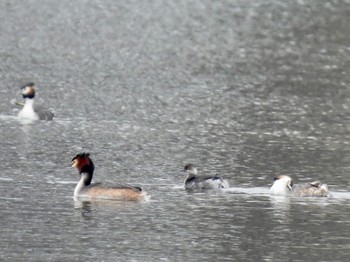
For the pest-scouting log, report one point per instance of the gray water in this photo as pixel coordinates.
(245, 89)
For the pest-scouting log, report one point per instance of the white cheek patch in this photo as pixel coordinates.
(25, 90)
(74, 163)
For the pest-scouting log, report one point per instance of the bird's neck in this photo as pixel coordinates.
(27, 111)
(189, 177)
(84, 181)
(29, 102)
(280, 188)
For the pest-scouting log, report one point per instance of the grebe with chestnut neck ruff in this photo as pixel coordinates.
(85, 189)
(193, 181)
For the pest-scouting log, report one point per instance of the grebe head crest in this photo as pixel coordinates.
(28, 90)
(83, 163)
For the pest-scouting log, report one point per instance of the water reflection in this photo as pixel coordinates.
(84, 207)
(251, 89)
(25, 123)
(280, 208)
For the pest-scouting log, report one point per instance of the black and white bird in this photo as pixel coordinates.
(31, 110)
(193, 181)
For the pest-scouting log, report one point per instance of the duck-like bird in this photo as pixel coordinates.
(85, 189)
(283, 185)
(31, 110)
(193, 181)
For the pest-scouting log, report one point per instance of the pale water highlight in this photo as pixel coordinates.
(246, 90)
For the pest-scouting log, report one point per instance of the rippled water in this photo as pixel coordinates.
(248, 90)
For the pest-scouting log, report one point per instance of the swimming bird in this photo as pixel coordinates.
(193, 181)
(31, 110)
(283, 185)
(85, 189)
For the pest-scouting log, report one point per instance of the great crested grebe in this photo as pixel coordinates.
(283, 185)
(31, 110)
(193, 181)
(85, 189)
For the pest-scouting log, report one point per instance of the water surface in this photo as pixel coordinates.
(248, 90)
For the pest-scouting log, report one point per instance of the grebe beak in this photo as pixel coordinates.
(19, 103)
(290, 187)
